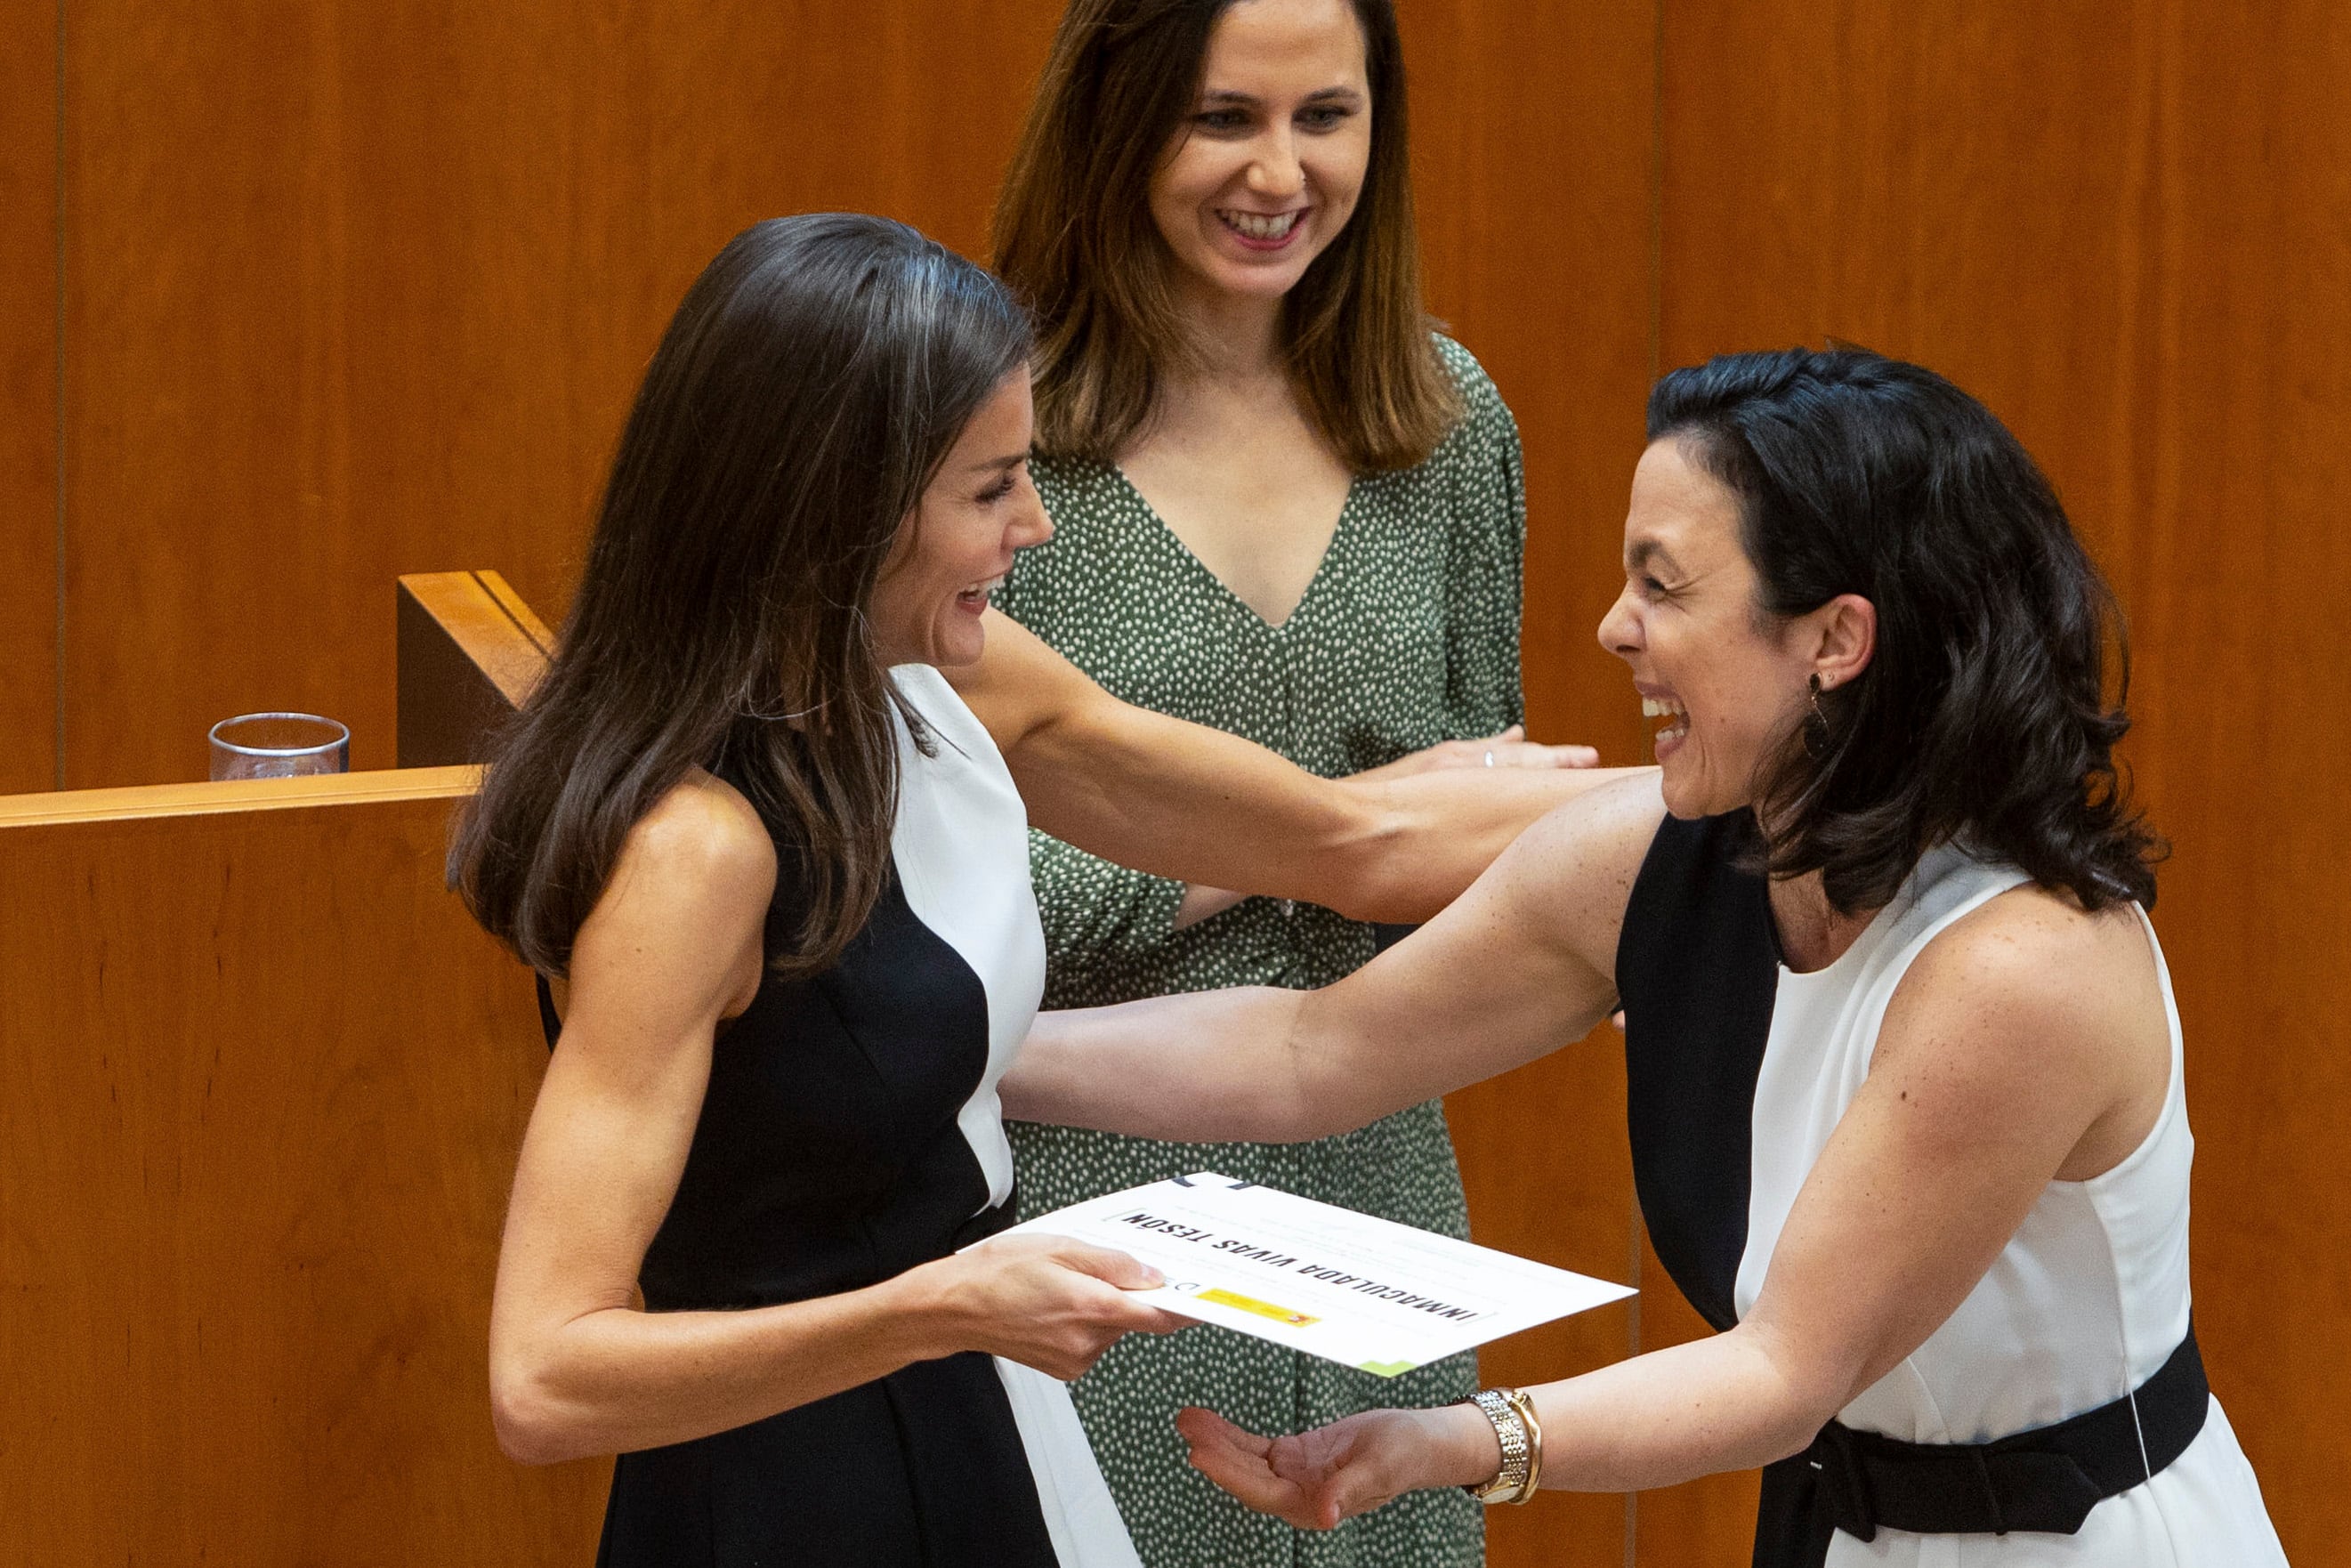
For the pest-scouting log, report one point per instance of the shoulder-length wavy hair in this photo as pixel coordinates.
(1074, 237)
(802, 399)
(1984, 716)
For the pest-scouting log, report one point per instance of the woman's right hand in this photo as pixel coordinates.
(1046, 1302)
(1353, 1466)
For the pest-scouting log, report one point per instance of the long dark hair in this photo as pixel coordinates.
(1075, 238)
(811, 382)
(1984, 716)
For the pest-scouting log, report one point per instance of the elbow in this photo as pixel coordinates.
(1305, 1119)
(1805, 1395)
(1315, 1105)
(535, 1426)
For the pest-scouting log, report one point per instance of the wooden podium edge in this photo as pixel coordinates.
(150, 800)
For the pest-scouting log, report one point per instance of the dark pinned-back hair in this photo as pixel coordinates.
(813, 379)
(1074, 236)
(1984, 715)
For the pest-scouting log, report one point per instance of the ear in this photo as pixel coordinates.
(1845, 638)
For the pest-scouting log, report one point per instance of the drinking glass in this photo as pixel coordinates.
(279, 746)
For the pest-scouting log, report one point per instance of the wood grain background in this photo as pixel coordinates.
(28, 397)
(265, 1081)
(352, 292)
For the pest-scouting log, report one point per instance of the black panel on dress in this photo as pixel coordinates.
(1698, 968)
(828, 1158)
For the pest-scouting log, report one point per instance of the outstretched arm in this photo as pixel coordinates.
(1186, 801)
(2025, 1045)
(1521, 964)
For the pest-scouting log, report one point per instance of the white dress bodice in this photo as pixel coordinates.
(961, 846)
(2087, 1301)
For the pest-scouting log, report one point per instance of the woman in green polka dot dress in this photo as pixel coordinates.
(1285, 508)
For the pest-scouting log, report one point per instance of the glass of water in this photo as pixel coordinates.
(279, 746)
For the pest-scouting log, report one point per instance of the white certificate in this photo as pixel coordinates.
(1364, 1292)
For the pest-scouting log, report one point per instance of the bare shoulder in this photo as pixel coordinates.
(1018, 685)
(2033, 1003)
(1573, 871)
(1600, 837)
(701, 855)
(2037, 957)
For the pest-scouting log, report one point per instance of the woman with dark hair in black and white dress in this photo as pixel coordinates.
(1907, 1118)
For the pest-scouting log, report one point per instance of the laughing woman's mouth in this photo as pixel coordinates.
(1677, 727)
(974, 597)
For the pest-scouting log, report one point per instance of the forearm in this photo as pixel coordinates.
(1197, 805)
(1432, 834)
(620, 1379)
(1210, 1066)
(1206, 807)
(1725, 1403)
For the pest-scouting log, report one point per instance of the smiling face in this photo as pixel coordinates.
(957, 548)
(1730, 682)
(1265, 173)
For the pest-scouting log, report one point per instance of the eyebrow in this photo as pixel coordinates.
(1228, 96)
(1648, 551)
(987, 465)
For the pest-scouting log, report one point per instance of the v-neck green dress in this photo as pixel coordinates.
(1407, 635)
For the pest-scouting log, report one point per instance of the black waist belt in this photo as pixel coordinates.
(2045, 1479)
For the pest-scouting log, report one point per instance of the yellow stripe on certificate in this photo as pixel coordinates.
(1262, 1309)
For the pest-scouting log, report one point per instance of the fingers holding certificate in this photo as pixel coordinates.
(1365, 1292)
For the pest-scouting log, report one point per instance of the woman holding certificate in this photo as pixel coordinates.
(773, 868)
(1285, 508)
(1905, 1100)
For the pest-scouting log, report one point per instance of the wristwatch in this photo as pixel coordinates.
(1517, 1428)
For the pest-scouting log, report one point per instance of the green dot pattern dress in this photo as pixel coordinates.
(1407, 635)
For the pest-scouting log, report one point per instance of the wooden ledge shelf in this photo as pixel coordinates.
(147, 801)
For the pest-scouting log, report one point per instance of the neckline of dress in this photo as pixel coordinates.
(1339, 529)
(1933, 866)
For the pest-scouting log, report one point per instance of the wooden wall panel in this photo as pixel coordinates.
(28, 404)
(356, 291)
(1531, 138)
(265, 1084)
(2128, 229)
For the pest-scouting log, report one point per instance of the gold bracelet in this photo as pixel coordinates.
(1514, 1482)
(1524, 1403)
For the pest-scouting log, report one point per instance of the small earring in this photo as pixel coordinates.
(1816, 727)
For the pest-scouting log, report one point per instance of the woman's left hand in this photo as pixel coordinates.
(1505, 748)
(1349, 1466)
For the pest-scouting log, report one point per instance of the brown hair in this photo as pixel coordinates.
(1985, 715)
(816, 375)
(1075, 238)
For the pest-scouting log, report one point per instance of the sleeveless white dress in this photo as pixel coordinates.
(961, 845)
(2084, 1305)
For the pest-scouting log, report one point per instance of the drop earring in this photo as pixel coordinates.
(1816, 727)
